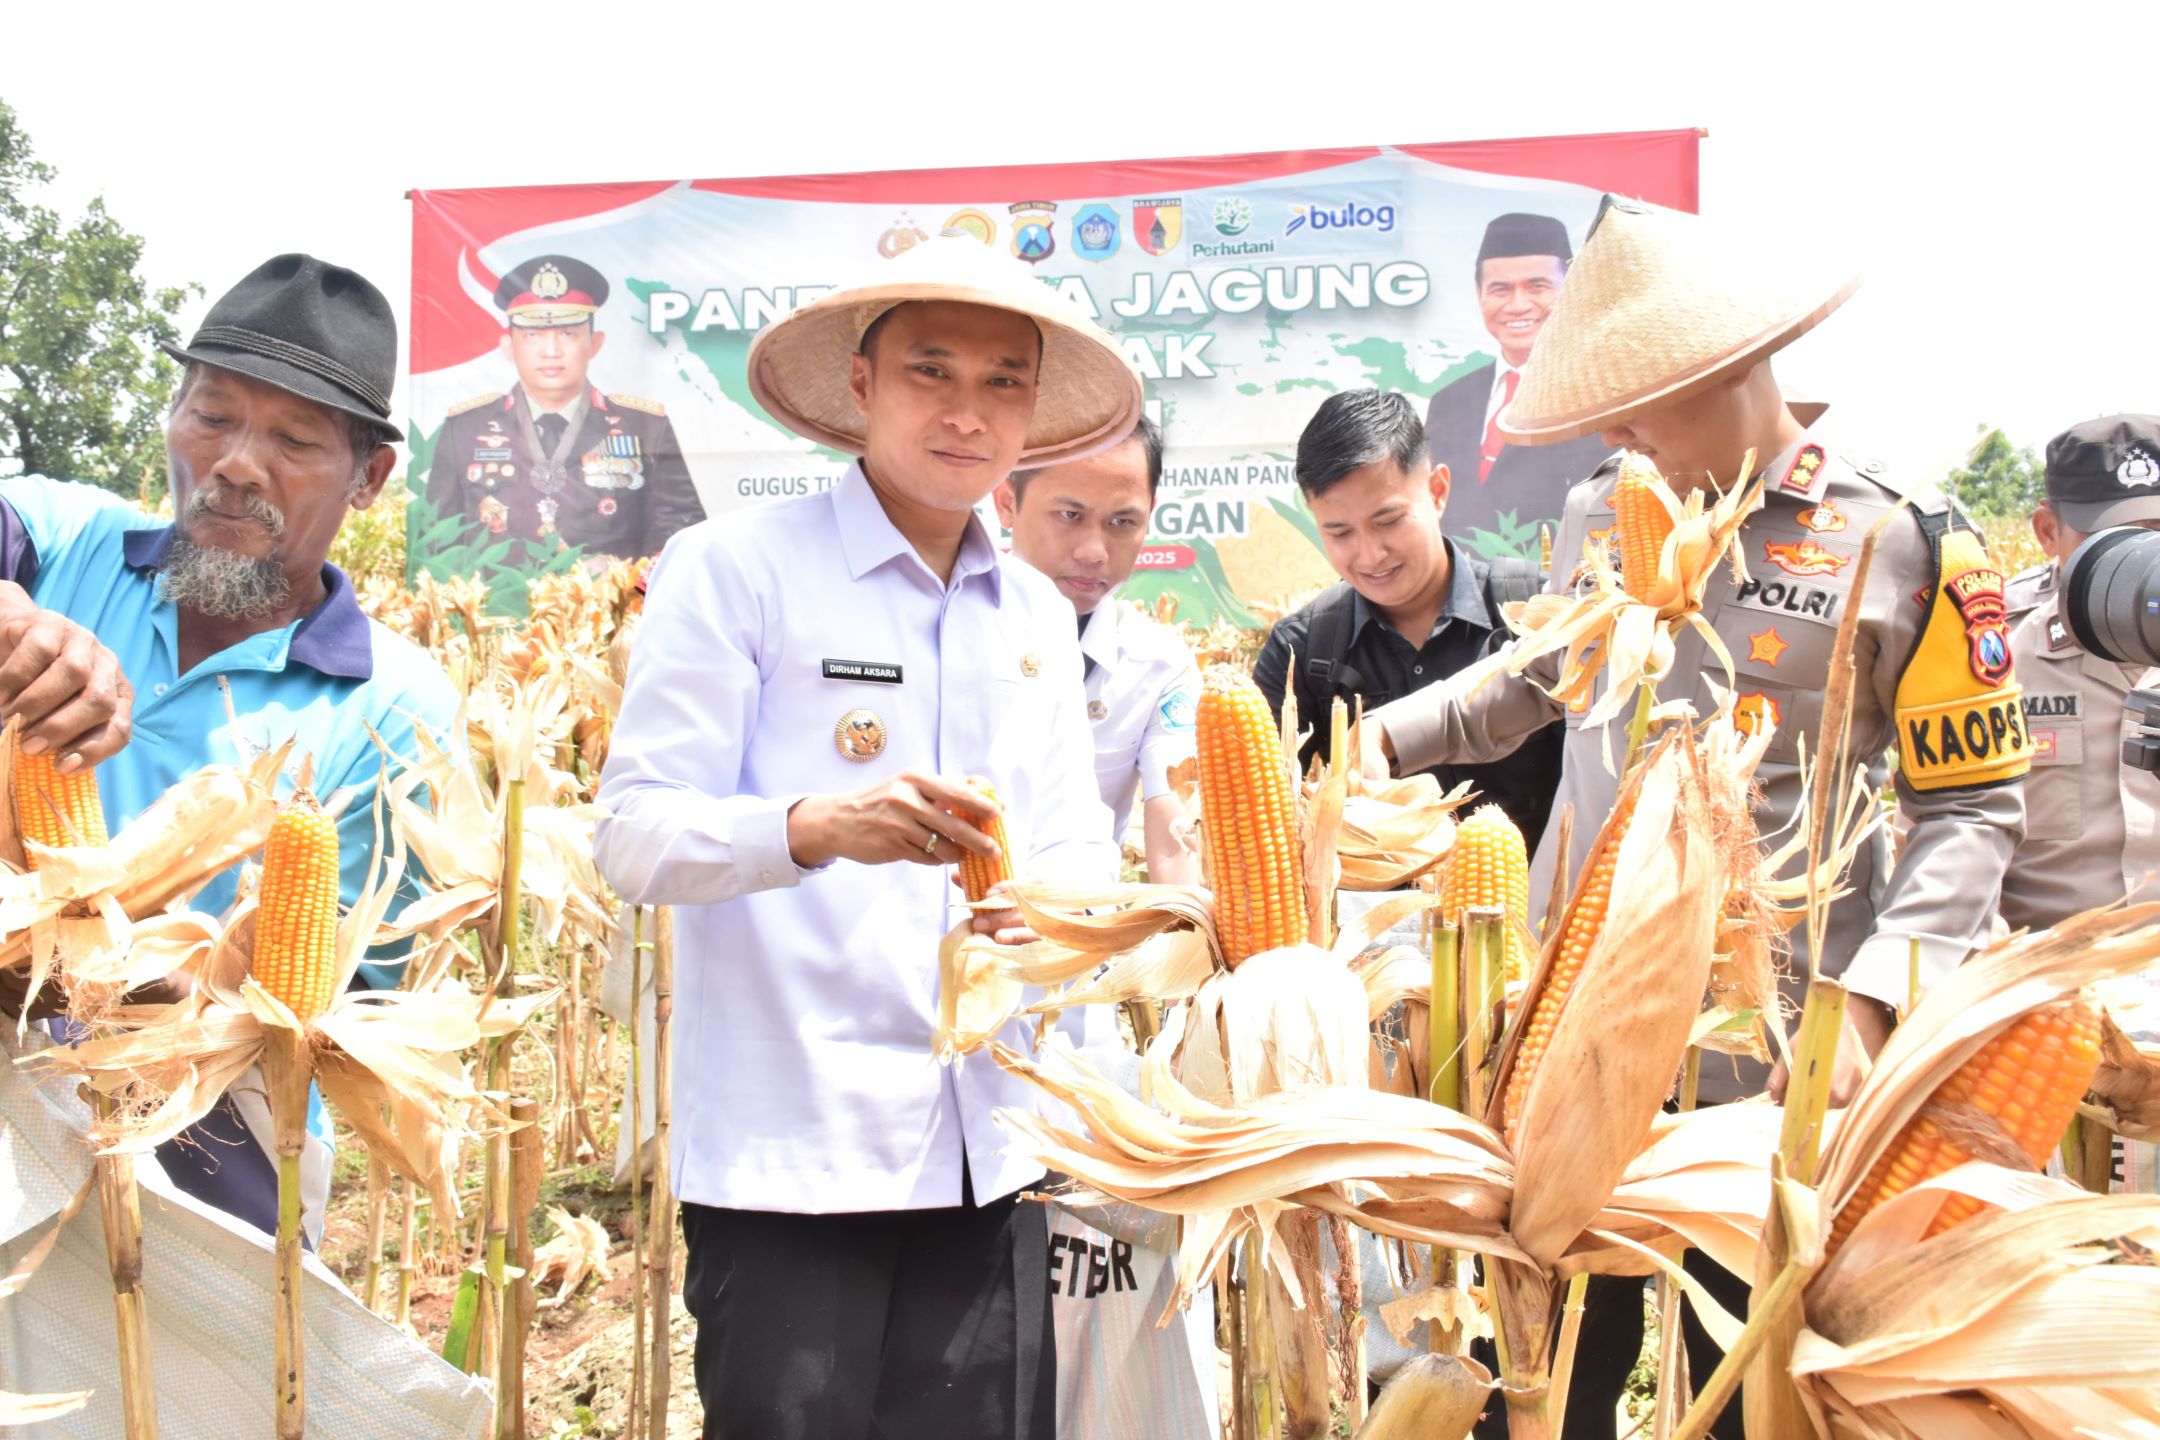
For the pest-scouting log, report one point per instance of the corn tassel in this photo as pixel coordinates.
(1249, 817)
(2030, 1078)
(1643, 518)
(56, 809)
(978, 873)
(1585, 920)
(1489, 866)
(297, 910)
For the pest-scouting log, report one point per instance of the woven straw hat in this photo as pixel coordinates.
(1087, 399)
(1657, 306)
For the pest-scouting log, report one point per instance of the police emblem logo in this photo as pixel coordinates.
(1753, 713)
(1804, 557)
(1767, 646)
(1158, 225)
(474, 471)
(2058, 634)
(860, 735)
(550, 283)
(1801, 477)
(494, 515)
(900, 237)
(1031, 665)
(1095, 232)
(2043, 746)
(1978, 595)
(2138, 469)
(1032, 240)
(971, 222)
(1823, 519)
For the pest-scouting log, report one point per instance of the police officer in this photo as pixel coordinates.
(1661, 343)
(558, 460)
(2092, 823)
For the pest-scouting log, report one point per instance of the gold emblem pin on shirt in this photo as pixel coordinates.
(1030, 665)
(860, 735)
(1097, 710)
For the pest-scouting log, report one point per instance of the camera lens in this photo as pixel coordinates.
(2111, 595)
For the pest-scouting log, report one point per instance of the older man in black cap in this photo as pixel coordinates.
(153, 650)
(1502, 493)
(557, 460)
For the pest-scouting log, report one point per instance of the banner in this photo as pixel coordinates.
(578, 387)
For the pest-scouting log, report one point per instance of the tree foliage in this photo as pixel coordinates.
(1999, 479)
(83, 388)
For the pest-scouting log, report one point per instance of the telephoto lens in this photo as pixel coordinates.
(2111, 594)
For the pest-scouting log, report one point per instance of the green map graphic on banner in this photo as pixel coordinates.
(579, 389)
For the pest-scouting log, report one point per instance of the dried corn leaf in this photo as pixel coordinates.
(2127, 1088)
(579, 1249)
(1285, 1020)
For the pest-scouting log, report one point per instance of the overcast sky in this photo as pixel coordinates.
(1998, 182)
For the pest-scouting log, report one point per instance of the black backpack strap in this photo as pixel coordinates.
(1327, 637)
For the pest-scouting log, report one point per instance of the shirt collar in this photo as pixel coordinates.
(1098, 642)
(332, 639)
(868, 538)
(1465, 599)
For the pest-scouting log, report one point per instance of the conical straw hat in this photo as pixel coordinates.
(1657, 306)
(1087, 398)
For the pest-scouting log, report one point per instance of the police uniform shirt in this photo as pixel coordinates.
(778, 642)
(2092, 823)
(624, 487)
(1143, 693)
(1802, 547)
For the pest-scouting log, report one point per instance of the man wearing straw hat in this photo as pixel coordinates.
(1661, 344)
(814, 680)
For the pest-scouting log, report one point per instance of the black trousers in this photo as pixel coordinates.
(1611, 1341)
(891, 1325)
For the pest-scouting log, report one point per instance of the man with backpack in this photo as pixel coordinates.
(1412, 607)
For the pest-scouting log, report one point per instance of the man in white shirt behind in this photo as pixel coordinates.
(814, 680)
(1120, 1377)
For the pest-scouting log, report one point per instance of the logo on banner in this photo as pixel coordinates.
(1031, 221)
(1158, 225)
(1233, 216)
(972, 222)
(1095, 232)
(1349, 215)
(900, 237)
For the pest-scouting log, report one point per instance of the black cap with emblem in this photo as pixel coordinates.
(319, 331)
(551, 290)
(2106, 472)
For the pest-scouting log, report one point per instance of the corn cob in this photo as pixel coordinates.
(978, 873)
(297, 909)
(1642, 515)
(2029, 1077)
(1249, 816)
(1488, 866)
(1585, 920)
(56, 809)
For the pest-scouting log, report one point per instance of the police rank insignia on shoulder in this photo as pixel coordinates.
(1801, 477)
(475, 403)
(1959, 719)
(636, 402)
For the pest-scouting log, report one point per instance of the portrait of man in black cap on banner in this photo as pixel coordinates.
(557, 460)
(1501, 493)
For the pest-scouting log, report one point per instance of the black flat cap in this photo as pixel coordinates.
(320, 331)
(2106, 472)
(1518, 234)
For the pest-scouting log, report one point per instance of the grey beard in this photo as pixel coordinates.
(222, 584)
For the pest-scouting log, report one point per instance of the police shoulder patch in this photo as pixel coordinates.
(475, 403)
(636, 402)
(1959, 720)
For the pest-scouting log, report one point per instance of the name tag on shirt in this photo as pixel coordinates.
(871, 672)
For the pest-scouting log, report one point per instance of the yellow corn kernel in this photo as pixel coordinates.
(56, 809)
(2030, 1078)
(1643, 517)
(1249, 818)
(1585, 921)
(978, 873)
(296, 913)
(1490, 866)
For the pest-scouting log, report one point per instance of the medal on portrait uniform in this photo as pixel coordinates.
(607, 505)
(860, 735)
(494, 514)
(547, 508)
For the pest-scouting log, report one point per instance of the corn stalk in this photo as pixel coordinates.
(634, 1427)
(495, 1326)
(663, 1199)
(285, 1073)
(121, 1202)
(378, 1219)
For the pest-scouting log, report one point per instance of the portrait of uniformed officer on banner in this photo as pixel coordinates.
(557, 460)
(1502, 493)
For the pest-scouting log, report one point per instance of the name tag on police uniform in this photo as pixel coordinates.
(869, 672)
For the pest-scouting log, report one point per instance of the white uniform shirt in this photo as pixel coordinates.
(1143, 694)
(804, 1000)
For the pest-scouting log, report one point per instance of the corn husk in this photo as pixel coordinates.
(579, 1249)
(2126, 1092)
(1432, 1397)
(1286, 1020)
(977, 994)
(1630, 639)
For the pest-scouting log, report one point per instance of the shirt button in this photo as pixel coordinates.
(1417, 669)
(767, 877)
(158, 689)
